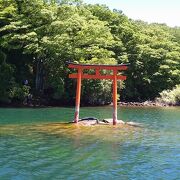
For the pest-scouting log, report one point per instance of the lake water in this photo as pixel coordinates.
(35, 144)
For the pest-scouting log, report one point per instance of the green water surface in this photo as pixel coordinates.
(35, 144)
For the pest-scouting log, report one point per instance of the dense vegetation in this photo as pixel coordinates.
(37, 37)
(170, 97)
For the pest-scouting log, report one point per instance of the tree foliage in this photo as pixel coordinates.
(37, 38)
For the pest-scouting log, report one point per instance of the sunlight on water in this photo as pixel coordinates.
(40, 149)
(74, 131)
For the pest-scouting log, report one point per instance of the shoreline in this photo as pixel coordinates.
(146, 104)
(123, 104)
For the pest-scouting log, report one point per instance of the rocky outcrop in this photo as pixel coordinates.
(94, 121)
(146, 103)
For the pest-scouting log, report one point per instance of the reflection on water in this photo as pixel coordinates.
(49, 150)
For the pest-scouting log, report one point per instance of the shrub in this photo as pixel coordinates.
(170, 97)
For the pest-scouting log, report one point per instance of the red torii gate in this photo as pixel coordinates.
(80, 75)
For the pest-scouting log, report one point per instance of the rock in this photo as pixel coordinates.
(134, 124)
(110, 121)
(89, 121)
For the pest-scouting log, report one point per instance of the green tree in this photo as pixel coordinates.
(37, 38)
(6, 76)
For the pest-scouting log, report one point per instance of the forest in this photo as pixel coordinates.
(38, 37)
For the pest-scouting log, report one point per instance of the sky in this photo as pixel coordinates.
(160, 11)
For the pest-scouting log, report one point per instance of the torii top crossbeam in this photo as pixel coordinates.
(97, 68)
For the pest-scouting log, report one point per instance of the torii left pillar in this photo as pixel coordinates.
(114, 97)
(78, 95)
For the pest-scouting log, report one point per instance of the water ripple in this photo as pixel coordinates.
(62, 151)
